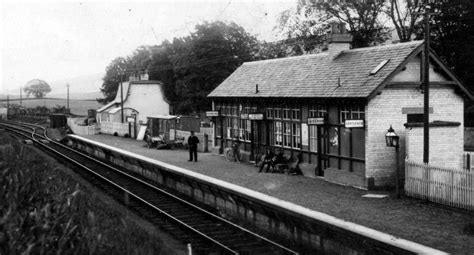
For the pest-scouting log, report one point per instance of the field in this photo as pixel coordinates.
(78, 107)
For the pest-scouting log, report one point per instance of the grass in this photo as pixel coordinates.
(45, 211)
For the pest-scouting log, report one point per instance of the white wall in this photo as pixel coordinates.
(386, 109)
(148, 99)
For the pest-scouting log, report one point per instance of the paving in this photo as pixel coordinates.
(433, 225)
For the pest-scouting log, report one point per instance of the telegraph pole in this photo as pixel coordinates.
(8, 106)
(20, 95)
(121, 95)
(426, 80)
(67, 109)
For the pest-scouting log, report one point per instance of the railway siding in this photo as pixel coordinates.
(284, 220)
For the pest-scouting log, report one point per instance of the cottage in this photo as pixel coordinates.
(334, 108)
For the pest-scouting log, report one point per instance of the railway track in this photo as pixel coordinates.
(207, 233)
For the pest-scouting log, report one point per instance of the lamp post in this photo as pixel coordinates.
(393, 140)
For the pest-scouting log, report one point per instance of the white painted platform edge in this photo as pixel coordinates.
(353, 227)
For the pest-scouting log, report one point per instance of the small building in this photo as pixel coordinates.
(334, 108)
(141, 98)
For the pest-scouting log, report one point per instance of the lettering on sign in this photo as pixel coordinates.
(212, 114)
(354, 123)
(244, 116)
(256, 116)
(130, 119)
(315, 121)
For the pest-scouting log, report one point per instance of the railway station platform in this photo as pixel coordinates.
(428, 224)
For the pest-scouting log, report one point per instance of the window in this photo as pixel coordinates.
(287, 134)
(295, 114)
(295, 135)
(357, 113)
(344, 112)
(278, 133)
(318, 111)
(415, 118)
(354, 112)
(277, 113)
(286, 113)
(269, 113)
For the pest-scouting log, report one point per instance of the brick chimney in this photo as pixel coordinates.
(338, 39)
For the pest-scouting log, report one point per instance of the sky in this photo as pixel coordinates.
(56, 40)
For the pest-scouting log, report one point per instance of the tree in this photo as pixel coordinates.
(452, 34)
(161, 68)
(38, 88)
(308, 24)
(404, 16)
(204, 59)
(114, 72)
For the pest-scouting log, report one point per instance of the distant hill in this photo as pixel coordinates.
(81, 88)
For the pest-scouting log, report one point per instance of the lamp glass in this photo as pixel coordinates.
(391, 138)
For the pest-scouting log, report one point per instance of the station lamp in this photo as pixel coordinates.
(391, 138)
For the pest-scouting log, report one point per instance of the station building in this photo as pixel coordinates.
(333, 109)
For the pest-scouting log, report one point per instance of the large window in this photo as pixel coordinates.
(286, 128)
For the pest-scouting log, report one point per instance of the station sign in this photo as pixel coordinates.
(354, 123)
(316, 121)
(256, 116)
(244, 116)
(212, 114)
(130, 119)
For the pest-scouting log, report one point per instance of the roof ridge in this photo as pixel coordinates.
(321, 54)
(325, 53)
(392, 45)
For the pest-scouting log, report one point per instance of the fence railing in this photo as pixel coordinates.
(450, 186)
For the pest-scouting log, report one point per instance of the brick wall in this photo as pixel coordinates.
(446, 146)
(386, 109)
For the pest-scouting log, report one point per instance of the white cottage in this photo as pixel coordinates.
(141, 99)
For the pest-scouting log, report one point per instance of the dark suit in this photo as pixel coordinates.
(192, 143)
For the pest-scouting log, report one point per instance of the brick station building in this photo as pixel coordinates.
(334, 108)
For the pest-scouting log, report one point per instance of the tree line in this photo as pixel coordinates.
(190, 67)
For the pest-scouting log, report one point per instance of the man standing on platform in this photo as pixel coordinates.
(192, 143)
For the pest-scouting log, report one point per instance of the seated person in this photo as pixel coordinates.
(279, 161)
(267, 160)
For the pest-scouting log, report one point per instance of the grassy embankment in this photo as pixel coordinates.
(46, 211)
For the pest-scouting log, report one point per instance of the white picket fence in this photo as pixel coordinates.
(453, 187)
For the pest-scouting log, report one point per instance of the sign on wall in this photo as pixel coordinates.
(354, 123)
(256, 116)
(304, 134)
(212, 114)
(315, 121)
(244, 116)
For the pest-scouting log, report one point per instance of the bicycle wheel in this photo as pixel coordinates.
(229, 155)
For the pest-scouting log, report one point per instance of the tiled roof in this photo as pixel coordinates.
(347, 75)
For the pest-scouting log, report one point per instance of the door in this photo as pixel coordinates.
(323, 149)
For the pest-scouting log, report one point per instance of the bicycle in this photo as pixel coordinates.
(230, 154)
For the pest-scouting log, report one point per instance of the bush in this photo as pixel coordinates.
(45, 211)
